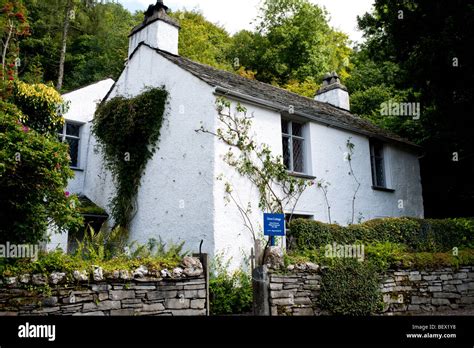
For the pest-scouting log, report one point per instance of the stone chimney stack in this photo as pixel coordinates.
(333, 92)
(157, 30)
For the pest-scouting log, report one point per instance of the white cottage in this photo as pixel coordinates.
(180, 199)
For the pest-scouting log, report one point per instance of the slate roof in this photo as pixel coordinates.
(303, 106)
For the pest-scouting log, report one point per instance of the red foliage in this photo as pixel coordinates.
(20, 16)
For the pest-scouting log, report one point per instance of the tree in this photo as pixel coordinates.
(373, 83)
(13, 25)
(69, 13)
(427, 41)
(201, 40)
(293, 44)
(100, 49)
(34, 171)
(97, 42)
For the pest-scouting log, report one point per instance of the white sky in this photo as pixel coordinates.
(236, 15)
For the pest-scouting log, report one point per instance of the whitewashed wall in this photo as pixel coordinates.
(158, 34)
(83, 103)
(326, 148)
(82, 107)
(175, 199)
(232, 238)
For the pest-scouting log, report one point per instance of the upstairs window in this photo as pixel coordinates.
(377, 163)
(293, 146)
(70, 133)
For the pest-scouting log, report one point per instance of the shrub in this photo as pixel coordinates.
(158, 249)
(229, 293)
(394, 230)
(309, 233)
(42, 106)
(350, 287)
(356, 232)
(102, 245)
(103, 249)
(34, 171)
(384, 255)
(449, 233)
(416, 234)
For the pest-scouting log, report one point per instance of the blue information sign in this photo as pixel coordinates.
(273, 224)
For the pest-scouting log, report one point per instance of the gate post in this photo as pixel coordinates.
(260, 286)
(204, 257)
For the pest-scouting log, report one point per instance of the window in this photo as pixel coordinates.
(71, 133)
(377, 163)
(293, 146)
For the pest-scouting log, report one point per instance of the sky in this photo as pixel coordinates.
(235, 15)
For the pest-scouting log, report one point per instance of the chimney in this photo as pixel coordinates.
(157, 30)
(333, 92)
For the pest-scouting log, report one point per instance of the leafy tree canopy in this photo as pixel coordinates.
(418, 51)
(293, 47)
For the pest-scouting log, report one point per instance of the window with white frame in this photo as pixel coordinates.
(378, 164)
(293, 146)
(70, 133)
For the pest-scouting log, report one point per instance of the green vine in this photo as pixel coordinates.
(279, 192)
(350, 148)
(128, 130)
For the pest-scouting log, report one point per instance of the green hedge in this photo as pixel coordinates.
(426, 235)
(350, 287)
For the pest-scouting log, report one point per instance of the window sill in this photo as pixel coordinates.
(385, 189)
(77, 169)
(301, 175)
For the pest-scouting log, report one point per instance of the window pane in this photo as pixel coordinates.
(284, 126)
(73, 150)
(378, 150)
(379, 172)
(298, 155)
(297, 129)
(60, 129)
(372, 168)
(286, 152)
(72, 129)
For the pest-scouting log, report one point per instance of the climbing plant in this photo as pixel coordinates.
(128, 130)
(348, 156)
(279, 192)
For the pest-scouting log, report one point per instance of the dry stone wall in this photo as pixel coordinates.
(296, 291)
(182, 291)
(428, 291)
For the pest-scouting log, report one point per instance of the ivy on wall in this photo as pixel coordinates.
(128, 131)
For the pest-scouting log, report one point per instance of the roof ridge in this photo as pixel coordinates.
(88, 85)
(327, 113)
(253, 81)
